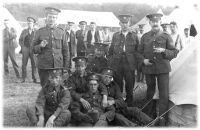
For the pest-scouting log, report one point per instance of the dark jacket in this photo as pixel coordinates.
(52, 100)
(96, 37)
(96, 64)
(56, 53)
(78, 85)
(131, 43)
(80, 41)
(72, 43)
(22, 37)
(161, 61)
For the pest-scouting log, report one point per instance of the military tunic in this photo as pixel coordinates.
(79, 114)
(160, 68)
(54, 101)
(78, 85)
(55, 54)
(96, 64)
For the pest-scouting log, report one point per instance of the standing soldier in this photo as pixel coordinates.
(140, 75)
(9, 45)
(25, 41)
(122, 55)
(156, 50)
(51, 109)
(165, 27)
(71, 40)
(50, 43)
(80, 34)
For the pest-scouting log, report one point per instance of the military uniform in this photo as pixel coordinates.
(52, 100)
(25, 42)
(9, 45)
(160, 67)
(55, 54)
(95, 64)
(122, 58)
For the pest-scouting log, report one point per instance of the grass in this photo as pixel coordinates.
(17, 96)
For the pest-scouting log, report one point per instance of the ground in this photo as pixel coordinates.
(18, 96)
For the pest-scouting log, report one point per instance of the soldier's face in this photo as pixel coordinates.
(98, 53)
(124, 26)
(80, 68)
(107, 79)
(155, 24)
(186, 32)
(92, 26)
(173, 28)
(30, 25)
(93, 85)
(55, 80)
(7, 24)
(51, 19)
(82, 26)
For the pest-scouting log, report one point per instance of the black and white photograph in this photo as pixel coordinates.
(100, 63)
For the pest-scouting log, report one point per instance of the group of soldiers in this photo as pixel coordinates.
(91, 95)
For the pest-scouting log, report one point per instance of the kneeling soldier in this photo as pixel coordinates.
(51, 109)
(95, 114)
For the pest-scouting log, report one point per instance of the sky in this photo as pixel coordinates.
(150, 2)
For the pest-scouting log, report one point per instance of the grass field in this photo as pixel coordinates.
(17, 96)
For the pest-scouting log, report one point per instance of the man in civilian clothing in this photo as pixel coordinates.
(80, 34)
(9, 45)
(25, 41)
(92, 37)
(122, 57)
(71, 40)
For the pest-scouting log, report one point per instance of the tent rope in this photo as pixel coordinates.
(159, 116)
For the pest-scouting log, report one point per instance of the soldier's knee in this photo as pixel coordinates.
(30, 112)
(63, 119)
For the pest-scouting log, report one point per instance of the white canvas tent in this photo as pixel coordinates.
(145, 21)
(5, 14)
(185, 16)
(101, 18)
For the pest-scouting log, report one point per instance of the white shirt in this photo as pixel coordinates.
(124, 33)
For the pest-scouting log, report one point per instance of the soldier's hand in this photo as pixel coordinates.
(43, 43)
(87, 118)
(111, 102)
(50, 121)
(159, 50)
(105, 103)
(147, 62)
(40, 123)
(85, 104)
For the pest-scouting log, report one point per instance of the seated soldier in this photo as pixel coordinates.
(123, 113)
(95, 114)
(97, 61)
(77, 82)
(51, 109)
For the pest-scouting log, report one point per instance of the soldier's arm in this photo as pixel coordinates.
(65, 52)
(37, 49)
(140, 56)
(64, 103)
(119, 101)
(102, 89)
(13, 34)
(170, 51)
(70, 84)
(21, 38)
(40, 103)
(111, 49)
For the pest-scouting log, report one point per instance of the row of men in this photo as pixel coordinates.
(153, 54)
(84, 99)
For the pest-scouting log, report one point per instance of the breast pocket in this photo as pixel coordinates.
(58, 41)
(161, 42)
